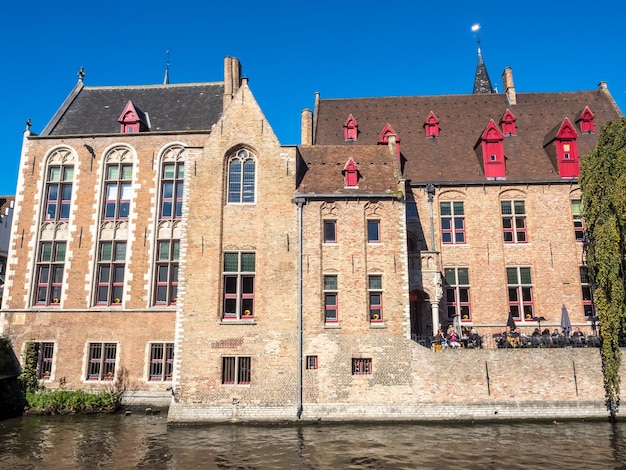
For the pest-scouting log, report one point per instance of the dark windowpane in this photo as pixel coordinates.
(446, 208)
(463, 276)
(330, 234)
(247, 285)
(230, 284)
(330, 282)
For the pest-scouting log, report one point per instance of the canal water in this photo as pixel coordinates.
(145, 441)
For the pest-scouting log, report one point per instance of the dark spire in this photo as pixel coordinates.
(482, 83)
(166, 80)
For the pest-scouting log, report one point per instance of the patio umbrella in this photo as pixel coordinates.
(566, 325)
(510, 322)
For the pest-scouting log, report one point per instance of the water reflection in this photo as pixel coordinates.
(141, 441)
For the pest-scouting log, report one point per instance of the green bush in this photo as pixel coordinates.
(69, 401)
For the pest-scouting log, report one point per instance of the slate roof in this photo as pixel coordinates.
(320, 169)
(454, 157)
(170, 108)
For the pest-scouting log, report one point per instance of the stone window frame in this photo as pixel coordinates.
(452, 214)
(373, 231)
(578, 220)
(331, 298)
(514, 218)
(160, 361)
(241, 184)
(375, 298)
(329, 231)
(103, 368)
(239, 286)
(520, 293)
(312, 362)
(116, 264)
(52, 268)
(64, 160)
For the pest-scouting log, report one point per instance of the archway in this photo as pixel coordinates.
(421, 315)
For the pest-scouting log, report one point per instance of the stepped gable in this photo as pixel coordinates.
(455, 155)
(169, 108)
(321, 168)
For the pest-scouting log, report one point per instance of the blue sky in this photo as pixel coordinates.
(290, 50)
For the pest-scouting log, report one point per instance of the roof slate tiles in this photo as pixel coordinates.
(456, 155)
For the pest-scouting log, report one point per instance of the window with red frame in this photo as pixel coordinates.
(111, 268)
(330, 299)
(520, 293)
(161, 361)
(361, 366)
(350, 129)
(59, 192)
(166, 289)
(45, 354)
(375, 291)
(514, 221)
(452, 222)
(579, 222)
(239, 274)
(101, 363)
(458, 293)
(50, 269)
(311, 362)
(236, 370)
(118, 190)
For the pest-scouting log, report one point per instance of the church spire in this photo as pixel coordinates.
(166, 80)
(482, 83)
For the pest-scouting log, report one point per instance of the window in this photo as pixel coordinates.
(239, 271)
(457, 293)
(520, 293)
(330, 231)
(492, 142)
(50, 266)
(361, 366)
(236, 370)
(514, 221)
(585, 284)
(567, 150)
(508, 123)
(431, 126)
(350, 129)
(118, 188)
(45, 353)
(579, 222)
(101, 365)
(241, 178)
(311, 362)
(330, 299)
(166, 289)
(351, 174)
(452, 222)
(111, 267)
(375, 288)
(373, 231)
(172, 190)
(161, 361)
(59, 192)
(586, 121)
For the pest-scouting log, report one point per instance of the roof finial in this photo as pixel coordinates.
(482, 83)
(166, 80)
(28, 124)
(81, 73)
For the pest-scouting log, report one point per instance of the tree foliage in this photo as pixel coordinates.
(603, 183)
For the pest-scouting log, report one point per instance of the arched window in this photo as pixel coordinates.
(242, 178)
(59, 179)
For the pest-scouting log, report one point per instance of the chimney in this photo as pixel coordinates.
(306, 133)
(509, 88)
(232, 78)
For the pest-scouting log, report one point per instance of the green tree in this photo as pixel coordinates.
(603, 183)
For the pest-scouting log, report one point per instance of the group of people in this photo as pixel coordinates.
(469, 338)
(513, 339)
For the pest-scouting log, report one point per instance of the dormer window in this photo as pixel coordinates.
(383, 138)
(508, 123)
(567, 150)
(351, 174)
(132, 119)
(350, 129)
(585, 121)
(492, 143)
(431, 126)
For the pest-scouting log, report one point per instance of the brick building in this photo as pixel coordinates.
(165, 231)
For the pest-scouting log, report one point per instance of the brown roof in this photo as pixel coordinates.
(454, 156)
(320, 169)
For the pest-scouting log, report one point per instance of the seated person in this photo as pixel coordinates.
(578, 337)
(547, 338)
(453, 340)
(474, 340)
(440, 339)
(512, 337)
(535, 338)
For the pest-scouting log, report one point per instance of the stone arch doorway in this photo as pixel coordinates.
(421, 315)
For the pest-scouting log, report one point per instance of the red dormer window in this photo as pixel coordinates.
(350, 129)
(431, 126)
(585, 121)
(492, 142)
(351, 174)
(130, 121)
(567, 150)
(508, 123)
